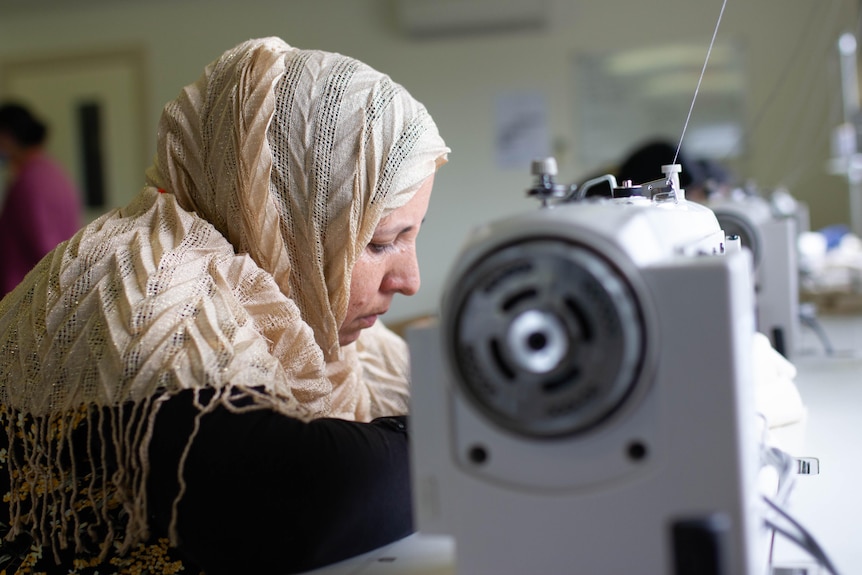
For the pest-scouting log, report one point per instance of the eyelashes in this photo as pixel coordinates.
(377, 248)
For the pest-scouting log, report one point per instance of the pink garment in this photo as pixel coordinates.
(42, 208)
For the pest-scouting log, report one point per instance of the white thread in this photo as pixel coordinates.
(699, 80)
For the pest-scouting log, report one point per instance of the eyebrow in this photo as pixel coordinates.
(404, 230)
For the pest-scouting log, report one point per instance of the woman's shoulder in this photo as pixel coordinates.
(164, 245)
(163, 293)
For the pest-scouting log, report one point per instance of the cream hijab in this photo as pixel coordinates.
(272, 170)
(295, 156)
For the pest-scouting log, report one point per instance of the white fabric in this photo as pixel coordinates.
(776, 396)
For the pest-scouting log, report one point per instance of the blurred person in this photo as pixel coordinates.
(41, 206)
(199, 381)
(718, 181)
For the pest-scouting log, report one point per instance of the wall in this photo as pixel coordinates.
(790, 64)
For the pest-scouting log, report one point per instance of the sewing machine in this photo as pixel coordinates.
(772, 241)
(585, 402)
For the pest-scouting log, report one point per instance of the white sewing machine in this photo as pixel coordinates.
(772, 241)
(585, 403)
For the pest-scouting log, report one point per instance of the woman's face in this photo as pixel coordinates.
(386, 266)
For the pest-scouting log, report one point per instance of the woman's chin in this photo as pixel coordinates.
(348, 337)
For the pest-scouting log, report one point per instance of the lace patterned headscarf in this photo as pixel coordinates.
(295, 155)
(230, 271)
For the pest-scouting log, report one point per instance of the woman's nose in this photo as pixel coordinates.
(404, 277)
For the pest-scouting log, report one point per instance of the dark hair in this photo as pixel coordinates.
(17, 120)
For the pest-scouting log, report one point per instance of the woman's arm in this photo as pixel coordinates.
(266, 493)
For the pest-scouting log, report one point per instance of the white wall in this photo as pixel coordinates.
(457, 77)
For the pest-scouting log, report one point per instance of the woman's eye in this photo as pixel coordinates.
(379, 248)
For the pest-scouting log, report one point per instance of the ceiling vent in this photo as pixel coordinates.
(453, 17)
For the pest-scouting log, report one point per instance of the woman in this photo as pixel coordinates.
(198, 380)
(41, 206)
